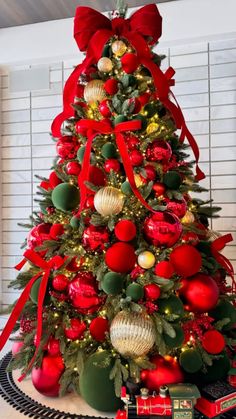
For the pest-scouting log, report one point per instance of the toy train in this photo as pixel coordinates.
(180, 401)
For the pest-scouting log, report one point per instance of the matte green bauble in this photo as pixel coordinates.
(109, 151)
(112, 283)
(135, 291)
(191, 360)
(143, 121)
(126, 188)
(120, 118)
(150, 109)
(177, 341)
(217, 371)
(172, 179)
(171, 305)
(75, 222)
(35, 292)
(96, 388)
(106, 51)
(65, 197)
(80, 153)
(224, 309)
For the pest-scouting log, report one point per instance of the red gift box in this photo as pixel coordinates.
(216, 398)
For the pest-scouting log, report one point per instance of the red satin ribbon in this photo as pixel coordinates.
(216, 246)
(45, 267)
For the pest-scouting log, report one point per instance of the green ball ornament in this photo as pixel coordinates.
(143, 121)
(218, 370)
(204, 247)
(112, 283)
(80, 153)
(172, 179)
(171, 305)
(120, 118)
(108, 151)
(75, 222)
(106, 51)
(178, 340)
(126, 188)
(65, 197)
(96, 388)
(150, 109)
(135, 291)
(224, 309)
(35, 292)
(190, 360)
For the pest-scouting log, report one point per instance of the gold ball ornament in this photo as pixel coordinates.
(109, 201)
(132, 334)
(118, 48)
(105, 65)
(94, 91)
(188, 218)
(146, 260)
(138, 180)
(152, 127)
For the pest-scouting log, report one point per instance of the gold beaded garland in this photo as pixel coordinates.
(105, 65)
(118, 48)
(146, 260)
(152, 127)
(109, 201)
(94, 91)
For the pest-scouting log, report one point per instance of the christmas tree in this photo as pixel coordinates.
(122, 280)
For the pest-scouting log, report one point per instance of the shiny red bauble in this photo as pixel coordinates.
(95, 238)
(164, 269)
(73, 168)
(191, 238)
(136, 157)
(158, 151)
(45, 185)
(144, 98)
(104, 108)
(54, 180)
(66, 147)
(112, 164)
(125, 230)
(96, 176)
(159, 188)
(150, 172)
(132, 142)
(167, 371)
(120, 257)
(75, 330)
(81, 129)
(16, 347)
(199, 293)
(38, 235)
(213, 342)
(178, 208)
(83, 293)
(129, 62)
(162, 229)
(186, 260)
(60, 282)
(56, 231)
(111, 86)
(53, 346)
(98, 328)
(46, 378)
(152, 292)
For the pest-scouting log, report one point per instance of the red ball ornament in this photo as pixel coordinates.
(98, 328)
(38, 235)
(150, 172)
(74, 265)
(136, 157)
(111, 86)
(75, 330)
(159, 188)
(164, 269)
(45, 185)
(60, 282)
(129, 62)
(16, 347)
(186, 260)
(83, 293)
(104, 108)
(95, 237)
(56, 231)
(158, 151)
(200, 293)
(81, 129)
(144, 98)
(125, 230)
(167, 371)
(46, 378)
(96, 176)
(54, 180)
(112, 164)
(191, 238)
(162, 229)
(132, 142)
(53, 346)
(179, 208)
(120, 257)
(213, 342)
(66, 147)
(73, 168)
(152, 292)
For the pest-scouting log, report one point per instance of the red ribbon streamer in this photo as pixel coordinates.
(45, 267)
(216, 246)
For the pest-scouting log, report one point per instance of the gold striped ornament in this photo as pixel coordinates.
(94, 91)
(109, 201)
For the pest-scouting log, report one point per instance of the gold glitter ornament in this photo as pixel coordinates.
(188, 218)
(94, 91)
(132, 334)
(105, 65)
(152, 127)
(146, 260)
(109, 201)
(118, 48)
